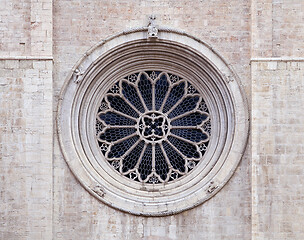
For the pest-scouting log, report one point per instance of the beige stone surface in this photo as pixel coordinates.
(277, 119)
(15, 27)
(277, 150)
(26, 28)
(26, 127)
(26, 119)
(78, 25)
(41, 199)
(277, 28)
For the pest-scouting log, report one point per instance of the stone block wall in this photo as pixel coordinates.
(277, 119)
(26, 127)
(26, 119)
(41, 40)
(15, 27)
(277, 149)
(277, 28)
(26, 28)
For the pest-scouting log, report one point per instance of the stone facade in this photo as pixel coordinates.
(277, 149)
(41, 40)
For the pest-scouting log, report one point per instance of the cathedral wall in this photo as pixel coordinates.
(40, 42)
(26, 28)
(15, 25)
(78, 25)
(277, 28)
(26, 128)
(277, 149)
(26, 119)
(277, 70)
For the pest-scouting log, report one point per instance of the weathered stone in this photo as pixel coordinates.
(263, 42)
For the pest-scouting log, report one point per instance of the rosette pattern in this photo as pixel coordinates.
(153, 127)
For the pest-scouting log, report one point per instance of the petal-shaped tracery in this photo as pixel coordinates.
(161, 89)
(120, 105)
(153, 128)
(145, 88)
(187, 105)
(193, 119)
(130, 93)
(176, 94)
(145, 166)
(114, 134)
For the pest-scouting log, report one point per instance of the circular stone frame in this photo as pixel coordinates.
(133, 51)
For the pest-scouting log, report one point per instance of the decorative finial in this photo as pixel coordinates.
(152, 29)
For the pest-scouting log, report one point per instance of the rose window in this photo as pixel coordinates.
(153, 127)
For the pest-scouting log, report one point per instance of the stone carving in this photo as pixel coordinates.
(167, 182)
(77, 76)
(98, 190)
(152, 29)
(212, 186)
(229, 78)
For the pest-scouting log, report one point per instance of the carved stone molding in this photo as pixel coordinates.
(104, 69)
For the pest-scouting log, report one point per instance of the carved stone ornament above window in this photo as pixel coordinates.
(152, 125)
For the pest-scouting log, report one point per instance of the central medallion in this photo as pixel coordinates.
(153, 126)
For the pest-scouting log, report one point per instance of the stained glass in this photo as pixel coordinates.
(153, 127)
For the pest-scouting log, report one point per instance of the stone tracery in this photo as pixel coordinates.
(154, 127)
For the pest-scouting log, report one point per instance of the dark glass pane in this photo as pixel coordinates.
(161, 164)
(114, 134)
(175, 94)
(185, 148)
(131, 159)
(120, 105)
(115, 119)
(194, 135)
(121, 148)
(161, 89)
(187, 105)
(145, 88)
(193, 119)
(145, 166)
(130, 93)
(176, 160)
